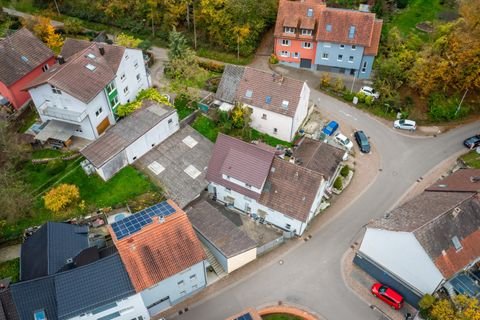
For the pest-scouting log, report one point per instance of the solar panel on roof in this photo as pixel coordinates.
(245, 316)
(135, 222)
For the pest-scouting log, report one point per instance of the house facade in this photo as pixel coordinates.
(252, 179)
(85, 87)
(162, 255)
(279, 105)
(131, 138)
(23, 58)
(309, 35)
(438, 235)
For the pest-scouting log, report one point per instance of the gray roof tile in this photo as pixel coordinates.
(30, 296)
(20, 53)
(227, 87)
(463, 180)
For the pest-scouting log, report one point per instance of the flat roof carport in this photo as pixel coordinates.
(57, 130)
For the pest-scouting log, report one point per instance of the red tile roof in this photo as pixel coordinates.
(278, 88)
(247, 162)
(159, 250)
(463, 180)
(74, 78)
(294, 14)
(291, 189)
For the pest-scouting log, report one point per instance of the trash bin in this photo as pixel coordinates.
(355, 100)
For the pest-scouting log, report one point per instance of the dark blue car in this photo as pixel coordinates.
(362, 141)
(330, 128)
(472, 142)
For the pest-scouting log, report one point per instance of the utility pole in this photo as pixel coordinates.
(353, 83)
(460, 104)
(56, 5)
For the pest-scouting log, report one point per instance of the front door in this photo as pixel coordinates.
(306, 63)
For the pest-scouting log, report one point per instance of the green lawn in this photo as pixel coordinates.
(10, 269)
(46, 153)
(472, 159)
(183, 110)
(206, 127)
(223, 56)
(417, 11)
(281, 317)
(271, 141)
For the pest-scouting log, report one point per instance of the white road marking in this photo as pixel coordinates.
(348, 115)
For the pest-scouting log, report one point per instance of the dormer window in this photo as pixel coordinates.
(307, 32)
(55, 90)
(309, 12)
(351, 32)
(328, 27)
(249, 93)
(288, 30)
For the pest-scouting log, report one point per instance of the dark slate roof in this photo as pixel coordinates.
(435, 218)
(73, 46)
(268, 84)
(218, 230)
(318, 156)
(228, 84)
(291, 189)
(91, 286)
(21, 44)
(125, 132)
(74, 78)
(46, 251)
(33, 295)
(463, 180)
(247, 162)
(7, 306)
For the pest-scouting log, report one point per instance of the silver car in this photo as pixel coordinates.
(405, 124)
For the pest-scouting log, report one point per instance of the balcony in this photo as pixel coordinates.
(51, 110)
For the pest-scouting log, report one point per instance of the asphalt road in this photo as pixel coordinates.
(310, 274)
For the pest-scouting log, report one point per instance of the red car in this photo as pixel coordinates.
(387, 295)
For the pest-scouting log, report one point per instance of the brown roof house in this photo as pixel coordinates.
(309, 35)
(162, 255)
(279, 104)
(23, 58)
(429, 242)
(78, 95)
(250, 178)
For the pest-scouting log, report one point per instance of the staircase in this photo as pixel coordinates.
(217, 267)
(449, 289)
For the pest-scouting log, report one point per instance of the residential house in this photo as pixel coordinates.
(250, 178)
(78, 96)
(162, 255)
(230, 246)
(65, 276)
(131, 138)
(279, 104)
(310, 35)
(430, 242)
(23, 57)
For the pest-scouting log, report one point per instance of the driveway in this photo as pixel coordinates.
(310, 274)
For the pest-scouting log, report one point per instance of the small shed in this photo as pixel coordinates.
(231, 246)
(131, 138)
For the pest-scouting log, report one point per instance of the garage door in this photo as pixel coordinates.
(306, 63)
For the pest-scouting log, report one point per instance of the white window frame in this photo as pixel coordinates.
(289, 30)
(139, 78)
(307, 45)
(286, 43)
(327, 45)
(307, 32)
(364, 67)
(354, 47)
(284, 53)
(55, 90)
(340, 57)
(45, 67)
(110, 87)
(342, 46)
(125, 90)
(123, 77)
(264, 116)
(275, 131)
(351, 59)
(126, 57)
(115, 101)
(98, 112)
(296, 55)
(135, 64)
(325, 56)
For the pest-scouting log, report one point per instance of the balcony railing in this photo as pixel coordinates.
(50, 110)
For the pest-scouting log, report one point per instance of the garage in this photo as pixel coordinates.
(306, 63)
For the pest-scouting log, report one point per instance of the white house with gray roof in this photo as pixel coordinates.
(78, 96)
(279, 104)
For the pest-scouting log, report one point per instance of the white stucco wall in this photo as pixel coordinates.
(194, 279)
(302, 109)
(243, 184)
(282, 123)
(153, 137)
(128, 308)
(401, 254)
(241, 259)
(127, 67)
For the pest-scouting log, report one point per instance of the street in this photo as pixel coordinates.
(310, 274)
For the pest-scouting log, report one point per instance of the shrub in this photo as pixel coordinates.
(325, 80)
(61, 197)
(442, 108)
(211, 66)
(55, 166)
(73, 26)
(361, 97)
(426, 302)
(348, 95)
(273, 59)
(345, 171)
(369, 100)
(338, 183)
(338, 85)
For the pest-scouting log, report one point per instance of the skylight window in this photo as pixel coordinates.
(310, 12)
(90, 67)
(268, 99)
(39, 315)
(24, 58)
(285, 104)
(91, 56)
(456, 243)
(351, 32)
(329, 28)
(249, 93)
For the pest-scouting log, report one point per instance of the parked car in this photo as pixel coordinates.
(362, 141)
(344, 141)
(330, 128)
(369, 91)
(405, 124)
(472, 142)
(388, 295)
